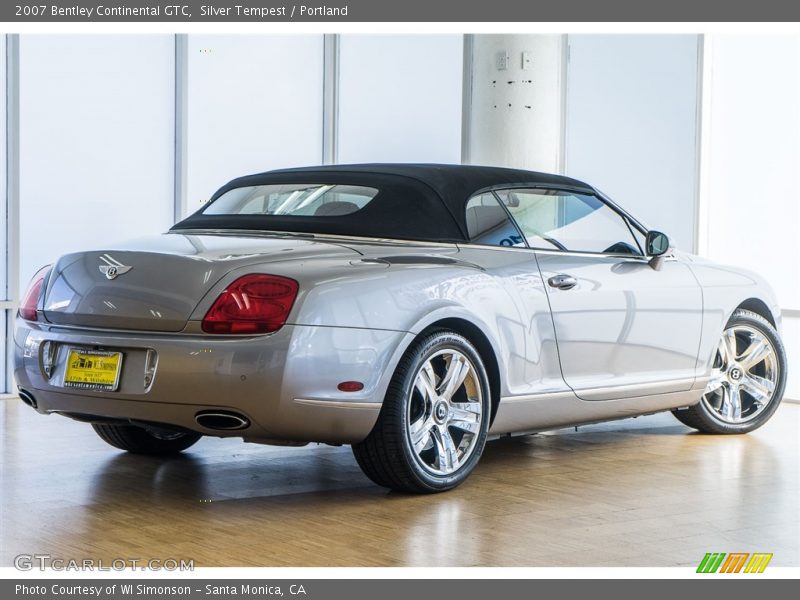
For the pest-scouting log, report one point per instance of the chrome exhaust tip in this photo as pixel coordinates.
(221, 420)
(27, 398)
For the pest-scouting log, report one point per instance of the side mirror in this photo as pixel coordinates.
(656, 246)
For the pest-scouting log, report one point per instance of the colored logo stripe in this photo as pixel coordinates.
(758, 562)
(711, 562)
(734, 563)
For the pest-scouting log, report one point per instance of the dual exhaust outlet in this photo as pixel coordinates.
(221, 420)
(28, 398)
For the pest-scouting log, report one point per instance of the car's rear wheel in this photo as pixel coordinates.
(748, 377)
(142, 441)
(433, 424)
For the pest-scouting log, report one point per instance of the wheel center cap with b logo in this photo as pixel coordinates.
(735, 374)
(440, 412)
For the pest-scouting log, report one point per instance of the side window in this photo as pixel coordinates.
(488, 223)
(554, 219)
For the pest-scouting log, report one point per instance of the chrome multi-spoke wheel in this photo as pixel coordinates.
(434, 420)
(748, 376)
(445, 411)
(744, 376)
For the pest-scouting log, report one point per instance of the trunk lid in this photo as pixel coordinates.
(154, 284)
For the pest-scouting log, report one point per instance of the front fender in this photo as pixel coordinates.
(725, 289)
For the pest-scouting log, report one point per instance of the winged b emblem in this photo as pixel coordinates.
(112, 267)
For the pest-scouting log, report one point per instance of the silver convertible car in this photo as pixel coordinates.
(412, 311)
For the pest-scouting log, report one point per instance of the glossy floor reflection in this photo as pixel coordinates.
(643, 492)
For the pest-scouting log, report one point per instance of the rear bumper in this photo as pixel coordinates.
(284, 384)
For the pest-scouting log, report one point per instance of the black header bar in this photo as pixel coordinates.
(356, 11)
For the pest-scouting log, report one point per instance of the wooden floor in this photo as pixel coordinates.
(643, 492)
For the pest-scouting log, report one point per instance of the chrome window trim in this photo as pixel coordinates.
(635, 257)
(342, 404)
(312, 237)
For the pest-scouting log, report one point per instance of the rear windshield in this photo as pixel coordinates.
(373, 205)
(293, 199)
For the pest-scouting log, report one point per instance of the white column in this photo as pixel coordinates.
(516, 102)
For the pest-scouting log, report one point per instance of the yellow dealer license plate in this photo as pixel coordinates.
(93, 369)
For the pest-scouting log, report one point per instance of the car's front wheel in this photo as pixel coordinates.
(434, 421)
(141, 441)
(748, 377)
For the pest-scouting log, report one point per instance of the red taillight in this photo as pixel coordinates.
(252, 304)
(27, 310)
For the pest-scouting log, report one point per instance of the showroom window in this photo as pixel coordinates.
(228, 127)
(561, 220)
(7, 288)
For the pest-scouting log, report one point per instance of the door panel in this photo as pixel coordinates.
(529, 361)
(624, 329)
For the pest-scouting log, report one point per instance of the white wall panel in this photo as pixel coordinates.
(790, 332)
(254, 104)
(3, 225)
(4, 255)
(6, 378)
(97, 136)
(631, 125)
(400, 98)
(753, 179)
(751, 176)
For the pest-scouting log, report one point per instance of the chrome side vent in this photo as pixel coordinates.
(150, 364)
(48, 355)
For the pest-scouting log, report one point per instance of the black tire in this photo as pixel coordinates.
(703, 418)
(386, 456)
(140, 441)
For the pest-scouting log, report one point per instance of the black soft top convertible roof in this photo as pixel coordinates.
(414, 201)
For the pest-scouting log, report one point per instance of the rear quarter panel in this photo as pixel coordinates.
(406, 290)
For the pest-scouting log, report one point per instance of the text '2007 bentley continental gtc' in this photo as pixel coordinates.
(411, 311)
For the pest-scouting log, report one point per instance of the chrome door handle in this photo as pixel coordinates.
(562, 282)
